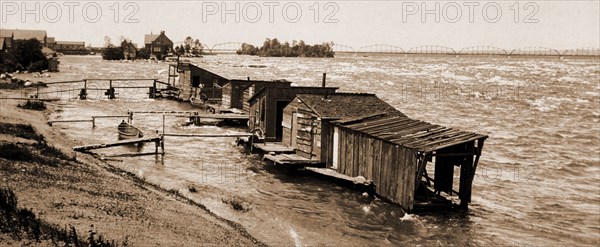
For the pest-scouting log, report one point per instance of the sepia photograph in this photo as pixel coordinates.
(300, 123)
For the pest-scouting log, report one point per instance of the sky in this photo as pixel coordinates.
(456, 24)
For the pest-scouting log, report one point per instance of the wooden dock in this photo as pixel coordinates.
(217, 116)
(155, 139)
(333, 174)
(209, 135)
(291, 159)
(273, 147)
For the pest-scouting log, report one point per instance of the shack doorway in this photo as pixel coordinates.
(336, 147)
(195, 81)
(279, 120)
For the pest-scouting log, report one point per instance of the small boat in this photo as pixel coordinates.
(128, 131)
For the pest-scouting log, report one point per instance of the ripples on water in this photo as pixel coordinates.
(537, 182)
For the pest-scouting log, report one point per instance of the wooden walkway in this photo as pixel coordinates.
(217, 116)
(291, 159)
(155, 139)
(273, 147)
(332, 173)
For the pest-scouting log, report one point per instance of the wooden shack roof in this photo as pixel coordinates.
(344, 105)
(149, 38)
(406, 132)
(298, 90)
(205, 73)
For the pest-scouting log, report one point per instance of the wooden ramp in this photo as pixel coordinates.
(291, 159)
(273, 147)
(155, 139)
(332, 173)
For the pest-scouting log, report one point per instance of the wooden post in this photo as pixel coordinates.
(163, 130)
(93, 122)
(37, 91)
(83, 93)
(162, 144)
(154, 89)
(111, 90)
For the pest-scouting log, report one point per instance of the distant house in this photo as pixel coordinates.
(51, 43)
(11, 35)
(159, 45)
(70, 47)
(129, 50)
(267, 104)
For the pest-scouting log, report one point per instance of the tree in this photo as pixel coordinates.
(107, 42)
(24, 54)
(274, 48)
(188, 42)
(113, 53)
(143, 54)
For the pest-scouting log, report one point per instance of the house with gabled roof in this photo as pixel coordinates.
(129, 50)
(158, 45)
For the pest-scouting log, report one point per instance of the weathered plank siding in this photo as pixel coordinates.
(307, 138)
(274, 97)
(391, 167)
(210, 82)
(226, 101)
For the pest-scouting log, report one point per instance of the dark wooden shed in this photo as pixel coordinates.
(267, 104)
(394, 152)
(256, 86)
(191, 78)
(306, 119)
(236, 93)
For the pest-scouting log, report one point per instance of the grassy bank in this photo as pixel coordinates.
(65, 197)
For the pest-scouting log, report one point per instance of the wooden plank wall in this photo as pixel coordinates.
(227, 97)
(248, 92)
(305, 118)
(392, 168)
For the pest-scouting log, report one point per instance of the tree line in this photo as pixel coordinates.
(274, 48)
(24, 55)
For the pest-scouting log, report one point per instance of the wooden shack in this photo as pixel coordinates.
(394, 152)
(236, 93)
(307, 118)
(256, 86)
(267, 104)
(192, 80)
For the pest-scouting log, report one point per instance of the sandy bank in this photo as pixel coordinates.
(82, 191)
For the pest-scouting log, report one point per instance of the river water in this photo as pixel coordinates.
(537, 184)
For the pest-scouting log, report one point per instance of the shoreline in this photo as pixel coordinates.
(166, 216)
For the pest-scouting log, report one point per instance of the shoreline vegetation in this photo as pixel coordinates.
(25, 55)
(52, 196)
(274, 48)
